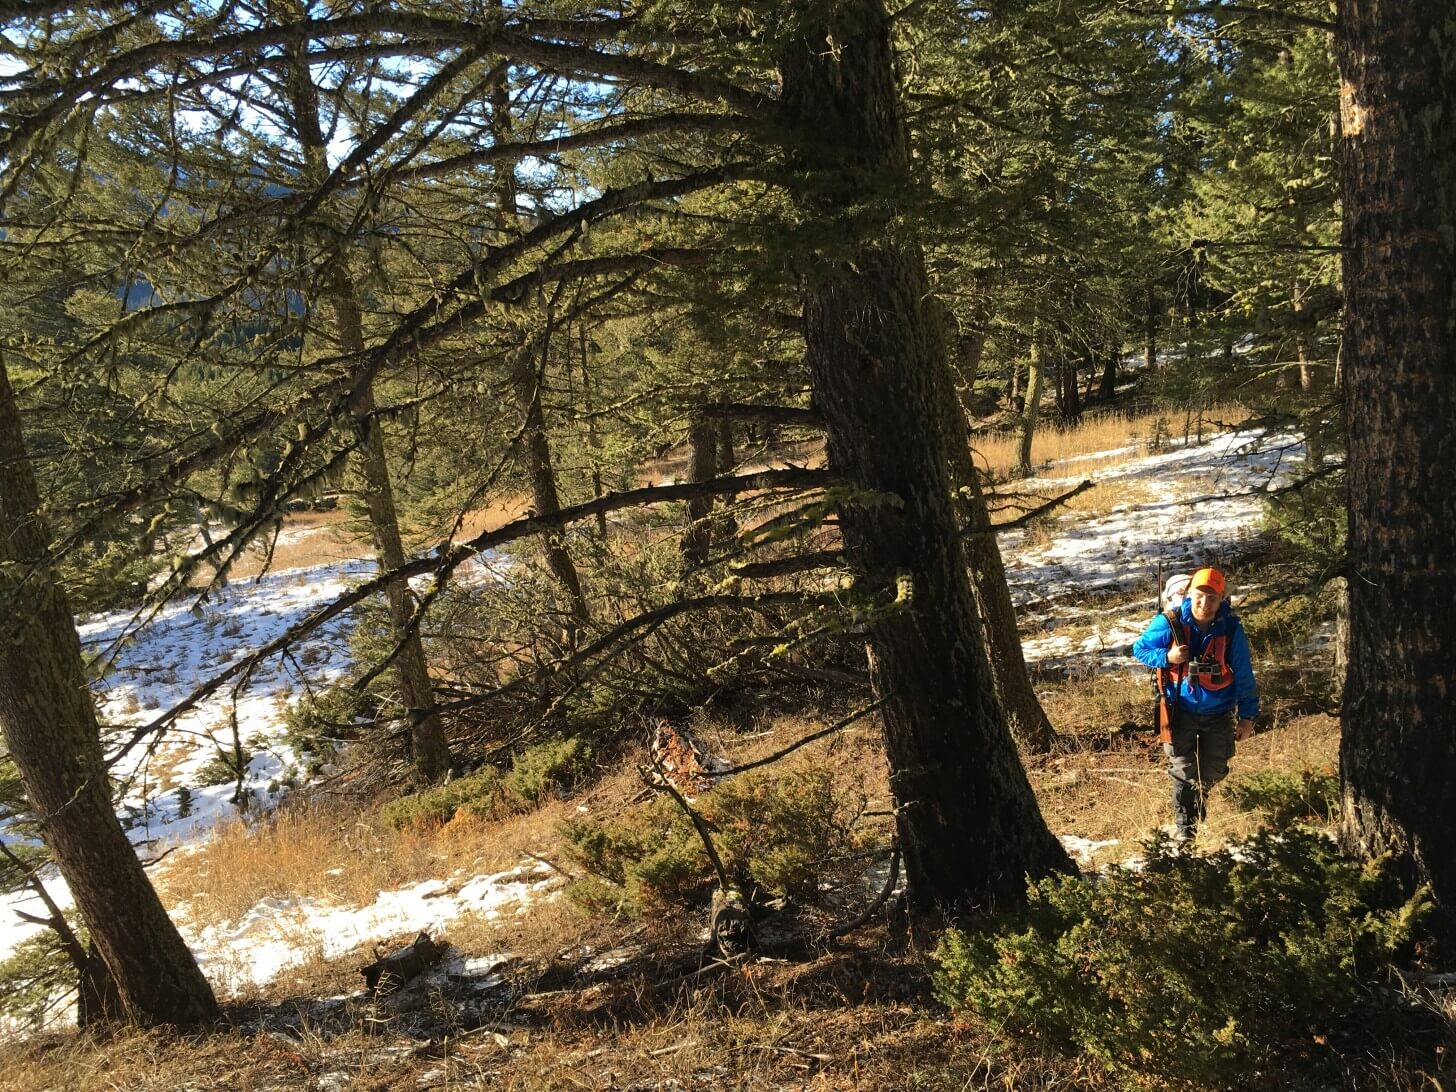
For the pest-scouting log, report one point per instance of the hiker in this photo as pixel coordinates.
(1205, 672)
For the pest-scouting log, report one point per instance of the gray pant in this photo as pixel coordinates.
(1198, 759)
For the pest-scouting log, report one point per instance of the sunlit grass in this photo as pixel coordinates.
(1101, 440)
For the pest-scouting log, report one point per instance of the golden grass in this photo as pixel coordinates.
(491, 517)
(1107, 788)
(736, 1033)
(306, 540)
(1078, 451)
(344, 853)
(310, 539)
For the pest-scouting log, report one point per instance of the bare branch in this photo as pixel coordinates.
(447, 558)
(1027, 517)
(586, 138)
(873, 908)
(837, 726)
(784, 566)
(725, 882)
(776, 415)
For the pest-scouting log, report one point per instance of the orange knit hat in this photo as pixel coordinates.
(1210, 578)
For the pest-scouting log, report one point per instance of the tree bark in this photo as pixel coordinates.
(1301, 336)
(697, 540)
(1024, 714)
(594, 443)
(50, 729)
(1030, 409)
(1070, 402)
(428, 747)
(970, 347)
(967, 819)
(535, 450)
(1107, 390)
(1398, 744)
(1150, 329)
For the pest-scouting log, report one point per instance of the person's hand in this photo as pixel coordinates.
(1244, 730)
(1177, 654)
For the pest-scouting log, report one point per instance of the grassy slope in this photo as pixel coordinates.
(853, 1016)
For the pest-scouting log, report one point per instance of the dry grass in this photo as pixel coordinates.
(856, 1017)
(1107, 787)
(1080, 451)
(848, 1020)
(307, 540)
(343, 853)
(736, 1034)
(491, 517)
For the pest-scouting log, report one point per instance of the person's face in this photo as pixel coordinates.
(1205, 603)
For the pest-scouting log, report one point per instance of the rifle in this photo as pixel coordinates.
(1165, 714)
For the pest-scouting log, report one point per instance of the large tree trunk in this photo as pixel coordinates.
(970, 347)
(1398, 747)
(49, 725)
(428, 747)
(1069, 397)
(968, 821)
(1025, 716)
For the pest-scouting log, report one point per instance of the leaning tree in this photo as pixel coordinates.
(49, 727)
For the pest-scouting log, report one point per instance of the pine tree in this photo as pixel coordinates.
(1398, 137)
(821, 227)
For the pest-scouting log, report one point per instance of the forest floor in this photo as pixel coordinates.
(535, 994)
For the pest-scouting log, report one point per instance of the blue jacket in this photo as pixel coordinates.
(1152, 649)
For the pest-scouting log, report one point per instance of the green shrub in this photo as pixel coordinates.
(1287, 798)
(222, 769)
(781, 829)
(478, 793)
(319, 722)
(648, 858)
(1284, 623)
(1194, 969)
(535, 774)
(547, 768)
